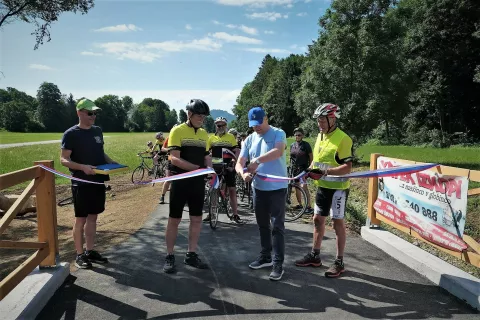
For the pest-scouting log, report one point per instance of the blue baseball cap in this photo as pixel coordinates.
(255, 116)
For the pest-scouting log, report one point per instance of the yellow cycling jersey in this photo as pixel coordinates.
(192, 144)
(217, 143)
(331, 150)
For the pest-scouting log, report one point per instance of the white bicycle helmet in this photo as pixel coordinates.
(221, 119)
(159, 135)
(233, 131)
(329, 110)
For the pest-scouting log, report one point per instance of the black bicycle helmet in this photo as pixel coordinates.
(298, 130)
(198, 106)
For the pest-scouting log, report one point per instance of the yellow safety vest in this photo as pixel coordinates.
(324, 158)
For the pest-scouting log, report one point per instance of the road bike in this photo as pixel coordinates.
(144, 170)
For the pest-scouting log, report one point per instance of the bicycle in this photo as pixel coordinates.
(157, 171)
(294, 208)
(219, 198)
(244, 189)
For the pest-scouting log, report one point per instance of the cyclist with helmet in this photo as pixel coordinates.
(332, 155)
(158, 143)
(217, 142)
(188, 147)
(166, 184)
(300, 159)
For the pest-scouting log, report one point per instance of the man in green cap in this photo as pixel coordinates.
(81, 151)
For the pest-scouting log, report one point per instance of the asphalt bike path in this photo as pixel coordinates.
(134, 286)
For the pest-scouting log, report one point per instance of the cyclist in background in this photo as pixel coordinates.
(301, 157)
(217, 142)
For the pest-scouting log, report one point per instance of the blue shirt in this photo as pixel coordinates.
(256, 145)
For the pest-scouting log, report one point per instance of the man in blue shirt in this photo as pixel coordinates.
(265, 149)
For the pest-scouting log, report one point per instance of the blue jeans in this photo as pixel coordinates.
(269, 209)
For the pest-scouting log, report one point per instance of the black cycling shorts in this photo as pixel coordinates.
(189, 191)
(88, 199)
(229, 177)
(331, 201)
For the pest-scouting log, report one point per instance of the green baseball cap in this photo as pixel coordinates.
(86, 104)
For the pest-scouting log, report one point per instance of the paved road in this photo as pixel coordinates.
(11, 145)
(133, 285)
(23, 144)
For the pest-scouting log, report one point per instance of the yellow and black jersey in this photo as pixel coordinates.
(192, 144)
(217, 143)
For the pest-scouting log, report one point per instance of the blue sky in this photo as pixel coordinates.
(170, 50)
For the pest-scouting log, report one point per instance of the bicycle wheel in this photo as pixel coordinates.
(213, 208)
(294, 209)
(138, 174)
(226, 206)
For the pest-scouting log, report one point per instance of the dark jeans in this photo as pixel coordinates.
(269, 209)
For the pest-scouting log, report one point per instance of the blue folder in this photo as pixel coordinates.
(110, 168)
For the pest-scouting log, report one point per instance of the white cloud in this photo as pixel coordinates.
(301, 14)
(244, 28)
(188, 27)
(151, 51)
(269, 32)
(266, 50)
(289, 6)
(296, 47)
(39, 67)
(248, 30)
(119, 28)
(234, 38)
(90, 53)
(255, 3)
(307, 1)
(204, 44)
(270, 16)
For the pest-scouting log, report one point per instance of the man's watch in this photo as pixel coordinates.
(256, 161)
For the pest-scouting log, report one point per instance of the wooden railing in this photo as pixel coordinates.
(471, 256)
(46, 248)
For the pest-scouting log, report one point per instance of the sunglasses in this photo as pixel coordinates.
(92, 113)
(299, 135)
(221, 125)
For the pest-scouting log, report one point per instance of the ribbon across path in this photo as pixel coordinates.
(379, 173)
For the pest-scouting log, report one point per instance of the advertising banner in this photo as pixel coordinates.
(432, 204)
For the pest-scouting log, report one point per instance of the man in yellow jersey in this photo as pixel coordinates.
(332, 155)
(217, 142)
(188, 145)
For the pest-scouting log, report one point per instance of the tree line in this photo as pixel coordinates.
(52, 111)
(403, 72)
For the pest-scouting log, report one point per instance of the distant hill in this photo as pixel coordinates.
(222, 113)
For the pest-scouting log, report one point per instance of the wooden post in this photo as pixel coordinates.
(372, 192)
(47, 213)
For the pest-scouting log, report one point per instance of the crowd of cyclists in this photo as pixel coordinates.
(300, 159)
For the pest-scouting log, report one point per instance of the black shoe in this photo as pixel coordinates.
(192, 259)
(82, 262)
(310, 259)
(96, 257)
(162, 200)
(236, 218)
(261, 262)
(207, 219)
(169, 266)
(277, 272)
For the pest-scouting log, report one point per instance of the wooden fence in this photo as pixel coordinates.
(46, 248)
(472, 254)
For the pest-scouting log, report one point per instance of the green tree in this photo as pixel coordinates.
(209, 124)
(15, 116)
(112, 117)
(51, 110)
(42, 13)
(171, 119)
(182, 116)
